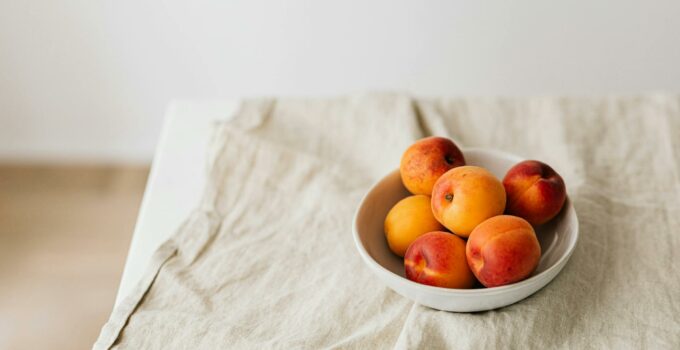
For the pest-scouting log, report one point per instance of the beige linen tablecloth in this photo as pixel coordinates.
(267, 258)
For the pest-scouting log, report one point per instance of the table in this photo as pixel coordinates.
(175, 182)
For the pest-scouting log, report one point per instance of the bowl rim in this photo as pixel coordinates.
(473, 291)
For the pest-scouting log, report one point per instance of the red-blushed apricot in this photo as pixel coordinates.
(438, 259)
(426, 160)
(503, 250)
(535, 191)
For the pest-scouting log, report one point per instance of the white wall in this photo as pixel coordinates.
(84, 80)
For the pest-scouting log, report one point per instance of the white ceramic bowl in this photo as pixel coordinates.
(557, 238)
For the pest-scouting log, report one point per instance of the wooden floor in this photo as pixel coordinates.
(64, 235)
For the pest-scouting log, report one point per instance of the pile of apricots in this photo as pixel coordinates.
(462, 224)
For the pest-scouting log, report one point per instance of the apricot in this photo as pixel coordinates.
(426, 160)
(503, 250)
(465, 196)
(438, 259)
(535, 191)
(410, 218)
